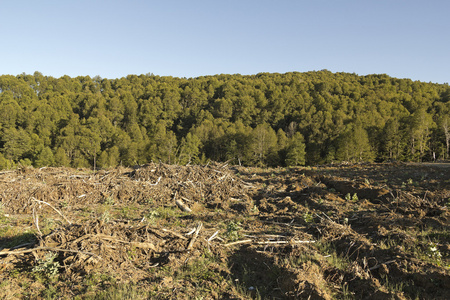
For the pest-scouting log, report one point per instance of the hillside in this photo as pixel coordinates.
(256, 120)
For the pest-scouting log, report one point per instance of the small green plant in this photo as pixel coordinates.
(48, 266)
(410, 181)
(233, 229)
(308, 217)
(353, 198)
(367, 181)
(2, 209)
(152, 215)
(148, 201)
(392, 287)
(109, 201)
(433, 252)
(105, 217)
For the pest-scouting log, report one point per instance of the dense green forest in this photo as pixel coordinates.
(268, 119)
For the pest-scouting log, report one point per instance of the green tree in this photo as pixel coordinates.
(190, 149)
(392, 140)
(16, 143)
(420, 124)
(61, 159)
(296, 151)
(45, 158)
(353, 145)
(445, 125)
(263, 145)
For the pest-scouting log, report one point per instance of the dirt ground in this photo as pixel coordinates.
(364, 231)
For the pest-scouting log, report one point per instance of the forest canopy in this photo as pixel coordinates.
(267, 119)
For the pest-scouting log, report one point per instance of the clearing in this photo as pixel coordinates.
(363, 231)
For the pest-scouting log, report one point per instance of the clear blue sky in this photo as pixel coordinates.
(402, 38)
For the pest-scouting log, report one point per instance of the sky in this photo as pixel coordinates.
(112, 39)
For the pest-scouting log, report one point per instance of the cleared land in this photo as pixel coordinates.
(217, 231)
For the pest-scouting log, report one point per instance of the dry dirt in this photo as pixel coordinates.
(365, 231)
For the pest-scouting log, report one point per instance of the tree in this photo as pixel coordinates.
(445, 124)
(392, 139)
(60, 158)
(16, 143)
(45, 158)
(353, 145)
(190, 149)
(296, 151)
(89, 144)
(420, 124)
(264, 141)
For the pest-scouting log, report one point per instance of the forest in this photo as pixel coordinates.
(267, 119)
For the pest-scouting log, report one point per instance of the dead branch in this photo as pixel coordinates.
(194, 237)
(238, 242)
(36, 221)
(157, 181)
(186, 199)
(182, 206)
(46, 249)
(213, 236)
(43, 202)
(379, 265)
(175, 234)
(284, 242)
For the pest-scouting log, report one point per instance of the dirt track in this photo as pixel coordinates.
(340, 231)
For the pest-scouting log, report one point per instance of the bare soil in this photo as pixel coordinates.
(364, 231)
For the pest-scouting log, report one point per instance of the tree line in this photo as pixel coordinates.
(267, 119)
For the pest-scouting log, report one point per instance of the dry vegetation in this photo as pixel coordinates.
(367, 231)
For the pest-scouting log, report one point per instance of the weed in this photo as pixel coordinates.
(105, 217)
(433, 251)
(353, 198)
(109, 201)
(333, 258)
(126, 212)
(254, 209)
(148, 201)
(64, 204)
(152, 215)
(233, 229)
(392, 287)
(48, 266)
(387, 244)
(308, 217)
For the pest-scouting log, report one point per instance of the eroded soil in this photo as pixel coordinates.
(368, 231)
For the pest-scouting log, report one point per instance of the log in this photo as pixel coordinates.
(182, 206)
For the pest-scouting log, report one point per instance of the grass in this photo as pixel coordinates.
(119, 292)
(333, 258)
